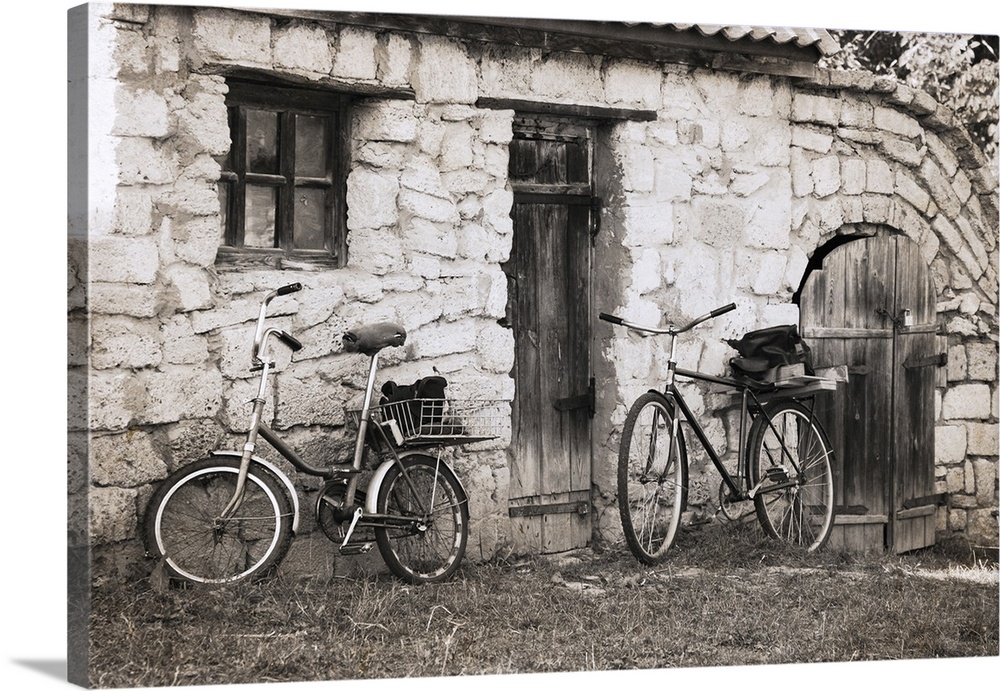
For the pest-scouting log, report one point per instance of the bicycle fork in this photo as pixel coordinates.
(248, 448)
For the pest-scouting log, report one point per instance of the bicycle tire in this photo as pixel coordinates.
(180, 523)
(431, 548)
(652, 482)
(799, 510)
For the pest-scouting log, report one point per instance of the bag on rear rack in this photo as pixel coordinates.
(763, 354)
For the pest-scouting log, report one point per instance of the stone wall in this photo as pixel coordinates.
(724, 197)
(738, 183)
(428, 225)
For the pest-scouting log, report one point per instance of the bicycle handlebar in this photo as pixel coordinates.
(260, 334)
(290, 288)
(719, 311)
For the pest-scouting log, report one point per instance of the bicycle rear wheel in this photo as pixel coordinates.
(428, 545)
(652, 477)
(791, 457)
(183, 527)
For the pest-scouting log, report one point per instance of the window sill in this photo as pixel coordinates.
(235, 259)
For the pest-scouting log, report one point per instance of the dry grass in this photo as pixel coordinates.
(723, 598)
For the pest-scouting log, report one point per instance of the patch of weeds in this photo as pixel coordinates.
(725, 595)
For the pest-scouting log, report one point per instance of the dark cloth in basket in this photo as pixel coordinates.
(420, 407)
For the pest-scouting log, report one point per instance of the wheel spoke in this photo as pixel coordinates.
(795, 500)
(651, 474)
(431, 548)
(184, 527)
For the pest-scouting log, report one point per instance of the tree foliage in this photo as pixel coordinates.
(958, 70)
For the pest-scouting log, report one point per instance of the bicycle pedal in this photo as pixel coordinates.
(777, 474)
(356, 548)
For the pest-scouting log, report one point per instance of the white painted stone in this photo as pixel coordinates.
(371, 199)
(967, 402)
(950, 443)
(141, 161)
(646, 272)
(770, 276)
(141, 113)
(826, 176)
(227, 36)
(178, 393)
(112, 514)
(444, 72)
(436, 340)
(354, 54)
(123, 260)
(124, 342)
(386, 121)
(632, 84)
(983, 439)
(125, 460)
(302, 47)
(394, 55)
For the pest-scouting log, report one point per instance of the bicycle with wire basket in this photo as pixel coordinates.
(783, 463)
(232, 516)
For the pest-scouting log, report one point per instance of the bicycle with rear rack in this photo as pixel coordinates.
(784, 458)
(232, 516)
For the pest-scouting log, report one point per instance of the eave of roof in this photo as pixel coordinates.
(820, 38)
(797, 49)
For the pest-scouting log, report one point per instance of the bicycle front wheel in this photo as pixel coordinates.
(652, 477)
(183, 523)
(790, 460)
(427, 524)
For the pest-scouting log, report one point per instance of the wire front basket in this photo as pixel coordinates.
(436, 421)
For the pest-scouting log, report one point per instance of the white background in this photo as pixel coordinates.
(33, 485)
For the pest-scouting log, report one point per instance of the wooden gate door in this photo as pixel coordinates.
(871, 307)
(549, 311)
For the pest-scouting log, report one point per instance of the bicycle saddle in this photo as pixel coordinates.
(371, 338)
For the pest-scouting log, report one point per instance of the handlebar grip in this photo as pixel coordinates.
(722, 310)
(289, 340)
(290, 288)
(611, 318)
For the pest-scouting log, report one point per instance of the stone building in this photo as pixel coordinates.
(491, 185)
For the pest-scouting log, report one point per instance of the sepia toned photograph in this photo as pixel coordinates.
(466, 346)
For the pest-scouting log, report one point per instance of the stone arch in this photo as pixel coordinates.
(870, 153)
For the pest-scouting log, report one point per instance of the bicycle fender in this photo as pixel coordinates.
(379, 476)
(280, 475)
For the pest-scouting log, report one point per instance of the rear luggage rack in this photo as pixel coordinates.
(437, 421)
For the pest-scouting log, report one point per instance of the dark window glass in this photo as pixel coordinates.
(281, 190)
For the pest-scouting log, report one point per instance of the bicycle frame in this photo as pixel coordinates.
(748, 401)
(258, 428)
(675, 401)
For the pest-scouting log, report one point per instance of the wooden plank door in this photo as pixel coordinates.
(841, 320)
(549, 312)
(916, 361)
(871, 307)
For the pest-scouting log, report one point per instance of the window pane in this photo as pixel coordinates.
(224, 203)
(310, 146)
(262, 141)
(310, 218)
(259, 226)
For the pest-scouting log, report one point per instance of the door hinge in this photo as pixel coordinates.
(939, 499)
(584, 400)
(595, 218)
(939, 360)
(581, 508)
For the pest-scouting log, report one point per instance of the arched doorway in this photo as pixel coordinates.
(870, 307)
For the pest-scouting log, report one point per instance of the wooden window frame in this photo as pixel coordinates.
(286, 102)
